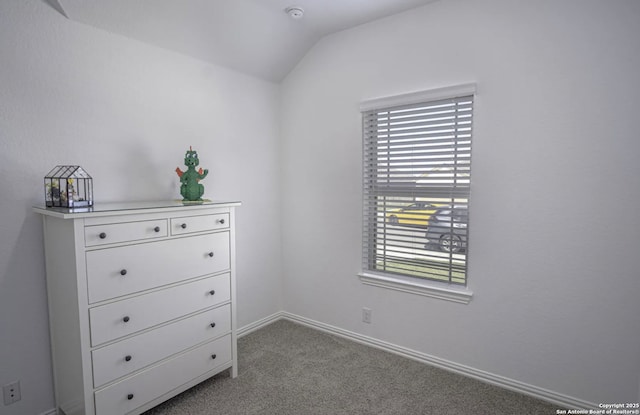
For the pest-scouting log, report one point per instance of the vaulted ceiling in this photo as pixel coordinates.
(256, 37)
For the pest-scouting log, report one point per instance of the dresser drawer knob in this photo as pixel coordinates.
(221, 221)
(210, 254)
(123, 272)
(130, 396)
(213, 356)
(125, 319)
(156, 229)
(212, 292)
(102, 235)
(212, 325)
(127, 358)
(183, 226)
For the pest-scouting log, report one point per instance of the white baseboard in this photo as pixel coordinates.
(256, 325)
(563, 401)
(50, 412)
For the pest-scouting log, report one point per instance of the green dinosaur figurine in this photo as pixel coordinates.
(190, 189)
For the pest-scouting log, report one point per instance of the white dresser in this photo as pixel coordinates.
(141, 302)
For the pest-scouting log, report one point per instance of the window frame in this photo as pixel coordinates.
(405, 283)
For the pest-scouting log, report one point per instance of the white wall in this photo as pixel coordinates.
(555, 232)
(126, 112)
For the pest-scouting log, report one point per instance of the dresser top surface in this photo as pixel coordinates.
(124, 208)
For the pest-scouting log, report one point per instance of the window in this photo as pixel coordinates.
(416, 183)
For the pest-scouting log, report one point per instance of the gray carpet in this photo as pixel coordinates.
(289, 369)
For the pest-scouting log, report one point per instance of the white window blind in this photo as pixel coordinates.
(417, 176)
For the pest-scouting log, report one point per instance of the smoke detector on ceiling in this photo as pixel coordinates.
(295, 12)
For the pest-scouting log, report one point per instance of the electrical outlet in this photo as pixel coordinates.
(11, 392)
(366, 315)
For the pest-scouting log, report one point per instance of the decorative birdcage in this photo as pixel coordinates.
(69, 187)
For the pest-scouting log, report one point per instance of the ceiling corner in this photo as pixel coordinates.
(58, 7)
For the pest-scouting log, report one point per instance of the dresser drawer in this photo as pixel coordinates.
(113, 272)
(127, 356)
(135, 391)
(120, 318)
(124, 232)
(191, 224)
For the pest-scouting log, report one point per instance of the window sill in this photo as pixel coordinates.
(428, 289)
